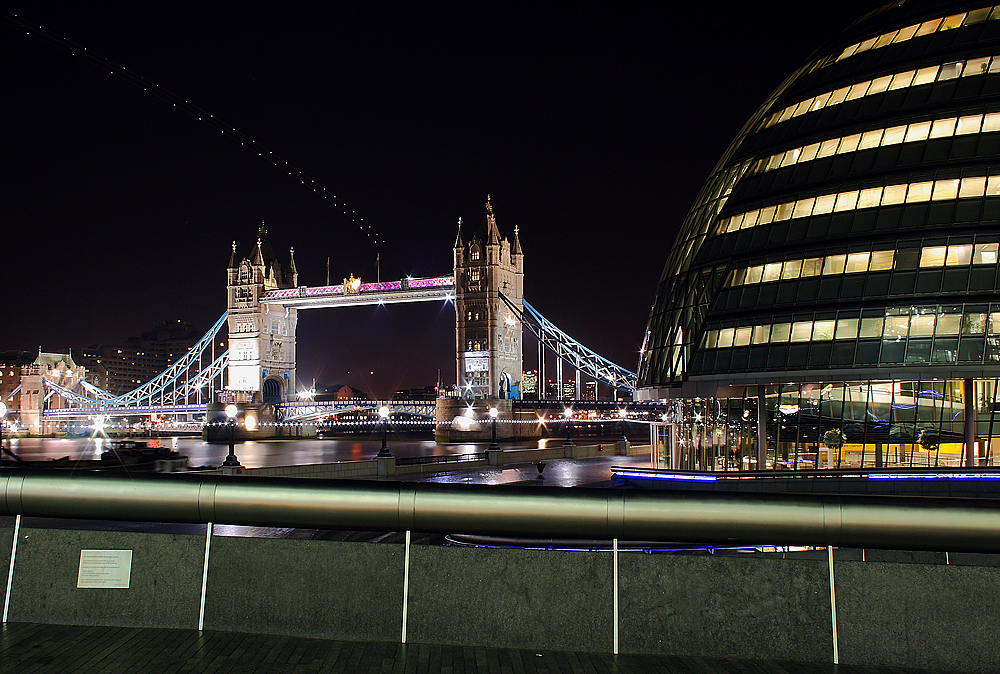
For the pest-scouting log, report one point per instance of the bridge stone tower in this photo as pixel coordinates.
(487, 335)
(261, 336)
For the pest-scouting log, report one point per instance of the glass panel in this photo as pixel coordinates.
(945, 189)
(790, 157)
(894, 135)
(726, 337)
(712, 339)
(849, 143)
(780, 332)
(928, 27)
(972, 187)
(959, 255)
(925, 75)
(871, 327)
(906, 33)
(742, 337)
(754, 273)
(791, 269)
(895, 327)
(848, 52)
(870, 139)
(828, 147)
(823, 330)
(784, 211)
(973, 324)
(978, 66)
(922, 325)
(933, 256)
(858, 90)
(846, 201)
(870, 197)
(803, 107)
(847, 328)
(761, 334)
(814, 266)
(834, 264)
(907, 258)
(893, 194)
(879, 85)
(985, 253)
(992, 186)
(866, 45)
(948, 324)
(943, 128)
(950, 71)
(801, 331)
(991, 122)
(918, 131)
(774, 162)
(994, 326)
(888, 38)
(857, 263)
(902, 80)
(969, 124)
(953, 21)
(882, 260)
(918, 192)
(838, 96)
(820, 101)
(824, 204)
(766, 215)
(772, 272)
(976, 16)
(803, 208)
(809, 152)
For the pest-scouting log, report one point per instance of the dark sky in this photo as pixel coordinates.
(592, 126)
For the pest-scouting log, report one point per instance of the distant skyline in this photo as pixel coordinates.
(591, 130)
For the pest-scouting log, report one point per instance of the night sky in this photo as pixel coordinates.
(591, 126)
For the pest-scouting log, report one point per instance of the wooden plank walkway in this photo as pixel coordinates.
(27, 648)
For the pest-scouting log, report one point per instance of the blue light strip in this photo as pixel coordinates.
(680, 477)
(934, 476)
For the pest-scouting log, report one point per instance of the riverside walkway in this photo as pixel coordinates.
(30, 648)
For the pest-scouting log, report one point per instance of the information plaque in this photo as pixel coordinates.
(104, 568)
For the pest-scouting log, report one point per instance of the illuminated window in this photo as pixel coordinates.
(933, 256)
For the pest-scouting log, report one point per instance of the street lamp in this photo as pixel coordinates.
(623, 414)
(3, 415)
(568, 413)
(493, 415)
(231, 460)
(384, 413)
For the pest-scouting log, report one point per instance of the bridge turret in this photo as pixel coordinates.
(488, 337)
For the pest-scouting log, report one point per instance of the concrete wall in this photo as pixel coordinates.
(901, 610)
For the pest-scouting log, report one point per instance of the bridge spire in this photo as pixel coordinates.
(516, 249)
(233, 264)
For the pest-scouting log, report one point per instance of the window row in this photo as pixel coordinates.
(859, 263)
(904, 133)
(910, 78)
(872, 197)
(919, 29)
(896, 325)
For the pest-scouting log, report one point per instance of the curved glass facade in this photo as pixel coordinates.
(843, 254)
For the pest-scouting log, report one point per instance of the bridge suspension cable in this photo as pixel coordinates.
(571, 351)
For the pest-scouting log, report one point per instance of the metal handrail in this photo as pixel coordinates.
(916, 523)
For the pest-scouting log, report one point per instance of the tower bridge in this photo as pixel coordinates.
(258, 369)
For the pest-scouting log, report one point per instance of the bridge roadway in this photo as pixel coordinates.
(32, 647)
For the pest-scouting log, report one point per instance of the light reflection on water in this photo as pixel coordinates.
(254, 454)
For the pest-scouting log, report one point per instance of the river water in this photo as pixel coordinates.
(259, 454)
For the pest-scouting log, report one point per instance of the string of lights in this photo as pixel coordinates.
(185, 106)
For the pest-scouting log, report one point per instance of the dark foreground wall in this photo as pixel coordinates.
(916, 611)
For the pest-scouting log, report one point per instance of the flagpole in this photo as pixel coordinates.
(378, 270)
(328, 271)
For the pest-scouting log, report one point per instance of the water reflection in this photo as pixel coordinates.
(256, 454)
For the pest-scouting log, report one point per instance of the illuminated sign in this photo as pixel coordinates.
(477, 361)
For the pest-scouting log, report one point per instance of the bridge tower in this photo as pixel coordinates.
(261, 336)
(487, 336)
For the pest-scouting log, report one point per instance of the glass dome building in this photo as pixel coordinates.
(832, 296)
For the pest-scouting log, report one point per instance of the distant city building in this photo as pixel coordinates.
(339, 392)
(11, 363)
(48, 371)
(120, 368)
(529, 384)
(833, 296)
(589, 391)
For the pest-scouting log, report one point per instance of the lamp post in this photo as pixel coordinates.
(231, 460)
(3, 415)
(493, 415)
(384, 413)
(568, 413)
(623, 414)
